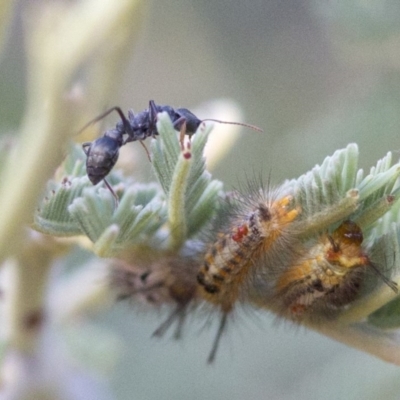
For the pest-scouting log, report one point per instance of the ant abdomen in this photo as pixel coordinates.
(102, 154)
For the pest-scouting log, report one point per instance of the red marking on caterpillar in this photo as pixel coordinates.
(256, 233)
(240, 233)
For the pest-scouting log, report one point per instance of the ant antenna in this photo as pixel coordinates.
(253, 127)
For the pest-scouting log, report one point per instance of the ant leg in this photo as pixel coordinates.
(112, 192)
(109, 111)
(152, 109)
(146, 150)
(152, 115)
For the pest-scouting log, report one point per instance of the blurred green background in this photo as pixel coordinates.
(315, 75)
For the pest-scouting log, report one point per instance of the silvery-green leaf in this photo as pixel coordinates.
(53, 217)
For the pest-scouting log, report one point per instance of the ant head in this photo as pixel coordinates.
(192, 122)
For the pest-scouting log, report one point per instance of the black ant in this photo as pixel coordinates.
(102, 153)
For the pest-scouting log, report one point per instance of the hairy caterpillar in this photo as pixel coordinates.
(326, 278)
(257, 231)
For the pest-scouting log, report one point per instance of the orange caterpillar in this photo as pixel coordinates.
(261, 232)
(328, 278)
